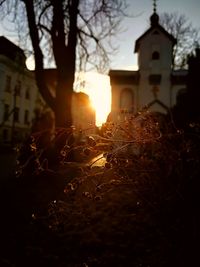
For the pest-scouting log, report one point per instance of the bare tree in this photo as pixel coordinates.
(72, 33)
(187, 36)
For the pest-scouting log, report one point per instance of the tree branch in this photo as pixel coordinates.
(39, 68)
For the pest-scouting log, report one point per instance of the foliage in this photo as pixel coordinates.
(137, 207)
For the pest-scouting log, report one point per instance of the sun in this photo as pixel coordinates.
(97, 86)
(30, 63)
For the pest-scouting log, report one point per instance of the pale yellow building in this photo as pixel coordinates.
(18, 93)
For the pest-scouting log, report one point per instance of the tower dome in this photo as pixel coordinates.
(154, 19)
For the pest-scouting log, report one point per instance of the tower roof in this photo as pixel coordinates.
(154, 19)
(154, 25)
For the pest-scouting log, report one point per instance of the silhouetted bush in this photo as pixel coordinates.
(139, 207)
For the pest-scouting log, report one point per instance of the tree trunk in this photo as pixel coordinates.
(63, 112)
(64, 55)
(65, 58)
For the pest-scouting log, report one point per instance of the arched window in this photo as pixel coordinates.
(155, 55)
(126, 100)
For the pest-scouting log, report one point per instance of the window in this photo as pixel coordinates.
(155, 79)
(27, 93)
(8, 83)
(18, 88)
(6, 112)
(16, 114)
(126, 100)
(26, 117)
(155, 55)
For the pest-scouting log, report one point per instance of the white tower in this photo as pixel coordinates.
(155, 53)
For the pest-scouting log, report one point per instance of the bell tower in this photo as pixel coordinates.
(155, 46)
(155, 85)
(155, 52)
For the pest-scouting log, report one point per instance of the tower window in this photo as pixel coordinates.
(155, 55)
(155, 79)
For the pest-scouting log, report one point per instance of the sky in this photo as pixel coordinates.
(135, 26)
(98, 87)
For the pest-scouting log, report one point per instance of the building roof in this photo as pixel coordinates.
(122, 72)
(179, 77)
(124, 76)
(160, 103)
(154, 19)
(10, 50)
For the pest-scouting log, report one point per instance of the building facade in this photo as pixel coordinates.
(155, 85)
(20, 97)
(18, 93)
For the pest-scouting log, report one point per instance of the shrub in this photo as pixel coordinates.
(133, 205)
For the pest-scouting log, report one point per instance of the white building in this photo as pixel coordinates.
(155, 85)
(18, 93)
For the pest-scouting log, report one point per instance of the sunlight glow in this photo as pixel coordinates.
(30, 63)
(97, 86)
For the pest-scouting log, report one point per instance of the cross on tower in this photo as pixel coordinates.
(154, 6)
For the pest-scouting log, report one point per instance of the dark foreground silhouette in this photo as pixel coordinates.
(140, 209)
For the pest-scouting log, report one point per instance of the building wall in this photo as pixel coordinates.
(145, 93)
(155, 84)
(21, 94)
(119, 110)
(155, 42)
